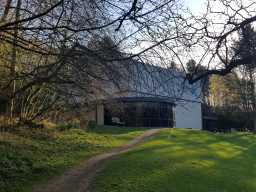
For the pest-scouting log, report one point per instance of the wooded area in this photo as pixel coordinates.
(53, 51)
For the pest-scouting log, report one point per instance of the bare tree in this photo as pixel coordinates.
(51, 36)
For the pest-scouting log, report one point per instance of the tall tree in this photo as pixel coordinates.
(14, 53)
(224, 91)
(152, 31)
(246, 47)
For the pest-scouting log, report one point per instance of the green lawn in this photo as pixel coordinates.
(184, 161)
(28, 157)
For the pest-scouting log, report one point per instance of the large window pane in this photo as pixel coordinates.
(142, 114)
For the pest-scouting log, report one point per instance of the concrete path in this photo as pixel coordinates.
(79, 179)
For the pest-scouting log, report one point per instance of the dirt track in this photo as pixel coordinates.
(79, 179)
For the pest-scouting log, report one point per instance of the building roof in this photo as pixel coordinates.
(146, 99)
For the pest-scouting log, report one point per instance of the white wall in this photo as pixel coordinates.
(188, 115)
(100, 114)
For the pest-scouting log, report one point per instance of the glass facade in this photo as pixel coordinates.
(139, 113)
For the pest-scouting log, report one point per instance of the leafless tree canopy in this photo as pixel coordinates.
(59, 42)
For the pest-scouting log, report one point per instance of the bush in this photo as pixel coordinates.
(68, 126)
(31, 124)
(64, 127)
(38, 134)
(92, 124)
(13, 168)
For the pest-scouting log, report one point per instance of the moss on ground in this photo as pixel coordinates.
(31, 156)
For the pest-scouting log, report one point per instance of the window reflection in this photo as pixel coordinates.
(142, 114)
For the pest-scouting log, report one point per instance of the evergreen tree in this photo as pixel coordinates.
(191, 66)
(246, 47)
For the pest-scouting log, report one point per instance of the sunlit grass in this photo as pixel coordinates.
(184, 161)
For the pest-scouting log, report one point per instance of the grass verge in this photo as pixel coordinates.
(32, 156)
(184, 161)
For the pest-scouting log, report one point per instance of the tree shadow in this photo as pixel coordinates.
(186, 162)
(116, 130)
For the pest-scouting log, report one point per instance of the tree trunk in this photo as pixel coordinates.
(14, 59)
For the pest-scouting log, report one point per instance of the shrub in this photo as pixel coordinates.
(92, 124)
(39, 134)
(64, 127)
(13, 168)
(68, 126)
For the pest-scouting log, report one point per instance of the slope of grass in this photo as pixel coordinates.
(184, 161)
(31, 156)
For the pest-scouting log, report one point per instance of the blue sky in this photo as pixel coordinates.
(195, 5)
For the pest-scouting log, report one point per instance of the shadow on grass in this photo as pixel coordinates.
(116, 130)
(184, 161)
(32, 156)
